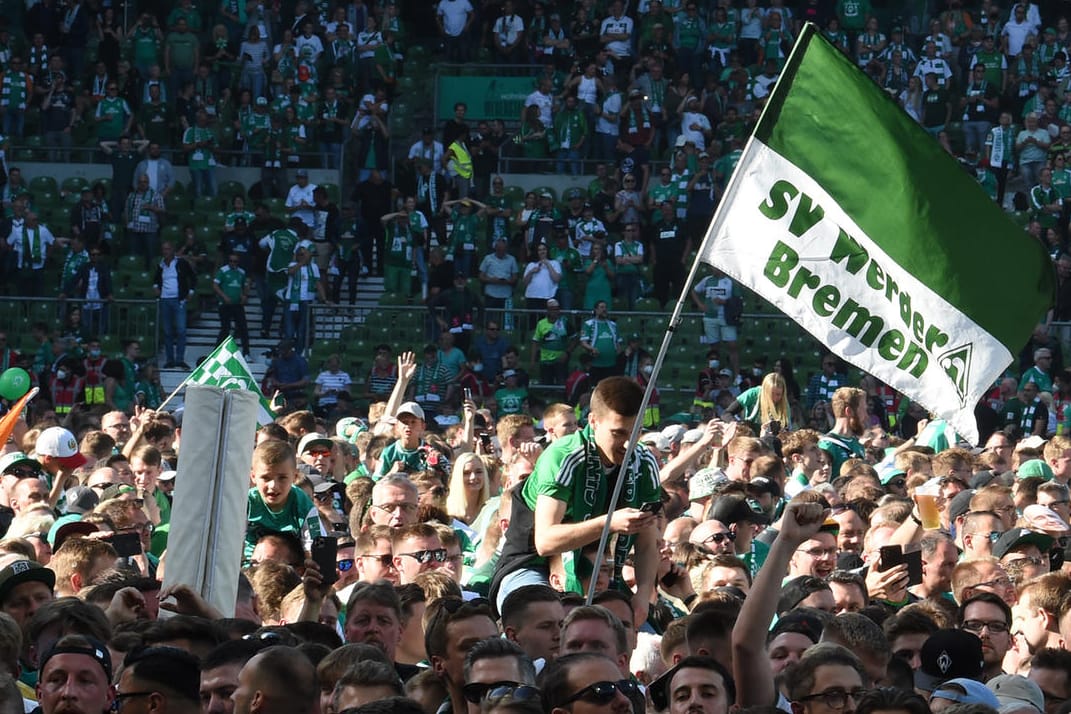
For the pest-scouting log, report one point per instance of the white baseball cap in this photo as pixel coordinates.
(60, 444)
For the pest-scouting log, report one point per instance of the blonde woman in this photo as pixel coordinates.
(469, 488)
(763, 404)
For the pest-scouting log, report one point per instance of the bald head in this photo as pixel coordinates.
(279, 680)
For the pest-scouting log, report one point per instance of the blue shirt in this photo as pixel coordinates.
(491, 354)
(288, 371)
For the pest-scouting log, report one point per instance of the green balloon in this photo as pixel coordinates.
(14, 383)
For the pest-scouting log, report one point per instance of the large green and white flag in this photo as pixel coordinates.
(855, 223)
(226, 368)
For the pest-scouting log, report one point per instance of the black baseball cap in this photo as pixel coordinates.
(949, 654)
(735, 509)
(1016, 537)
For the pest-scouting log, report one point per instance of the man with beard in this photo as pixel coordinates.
(564, 505)
(989, 617)
(279, 680)
(842, 442)
(75, 677)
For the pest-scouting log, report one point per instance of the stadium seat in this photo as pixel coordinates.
(43, 184)
(74, 184)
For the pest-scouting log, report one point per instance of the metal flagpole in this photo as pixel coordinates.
(176, 390)
(674, 323)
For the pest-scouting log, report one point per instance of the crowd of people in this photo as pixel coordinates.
(422, 541)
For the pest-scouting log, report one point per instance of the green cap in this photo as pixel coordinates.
(1034, 468)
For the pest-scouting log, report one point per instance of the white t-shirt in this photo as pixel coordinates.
(507, 28)
(313, 42)
(332, 382)
(294, 198)
(694, 135)
(615, 26)
(541, 286)
(454, 14)
(545, 102)
(611, 106)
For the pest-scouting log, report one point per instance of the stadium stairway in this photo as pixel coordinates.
(203, 329)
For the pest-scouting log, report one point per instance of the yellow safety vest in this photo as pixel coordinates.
(462, 160)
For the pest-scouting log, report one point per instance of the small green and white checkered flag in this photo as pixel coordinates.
(226, 368)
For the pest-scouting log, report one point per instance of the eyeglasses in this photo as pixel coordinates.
(1035, 560)
(385, 559)
(602, 693)
(719, 537)
(475, 691)
(143, 528)
(117, 703)
(344, 565)
(997, 583)
(100, 486)
(898, 483)
(835, 698)
(820, 552)
(976, 626)
(393, 508)
(426, 556)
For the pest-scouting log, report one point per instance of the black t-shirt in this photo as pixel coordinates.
(58, 115)
(934, 107)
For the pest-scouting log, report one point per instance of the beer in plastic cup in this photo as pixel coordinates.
(926, 497)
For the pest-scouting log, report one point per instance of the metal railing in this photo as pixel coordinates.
(111, 321)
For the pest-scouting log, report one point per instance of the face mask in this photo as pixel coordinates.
(478, 367)
(714, 363)
(61, 374)
(94, 353)
(648, 370)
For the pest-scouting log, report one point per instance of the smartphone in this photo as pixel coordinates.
(324, 553)
(485, 441)
(652, 507)
(893, 555)
(775, 427)
(126, 545)
(468, 394)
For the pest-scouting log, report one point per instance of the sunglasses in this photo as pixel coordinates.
(426, 556)
(386, 559)
(24, 473)
(719, 537)
(319, 452)
(602, 693)
(344, 565)
(476, 691)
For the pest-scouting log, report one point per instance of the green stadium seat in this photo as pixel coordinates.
(43, 184)
(333, 193)
(203, 205)
(74, 184)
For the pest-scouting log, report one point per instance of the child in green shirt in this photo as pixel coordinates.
(274, 505)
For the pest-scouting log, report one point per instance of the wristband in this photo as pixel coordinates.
(915, 518)
(689, 600)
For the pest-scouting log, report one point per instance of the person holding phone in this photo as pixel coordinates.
(564, 505)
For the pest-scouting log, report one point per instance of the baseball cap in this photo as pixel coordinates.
(310, 440)
(1034, 468)
(947, 655)
(262, 101)
(507, 373)
(350, 428)
(692, 436)
(1016, 537)
(735, 509)
(24, 571)
(168, 475)
(1013, 691)
(960, 504)
(725, 372)
(302, 172)
(96, 651)
(560, 225)
(63, 529)
(60, 444)
(797, 590)
(321, 484)
(966, 691)
(80, 499)
(889, 473)
(674, 432)
(116, 490)
(17, 457)
(633, 93)
(704, 483)
(1043, 518)
(411, 408)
